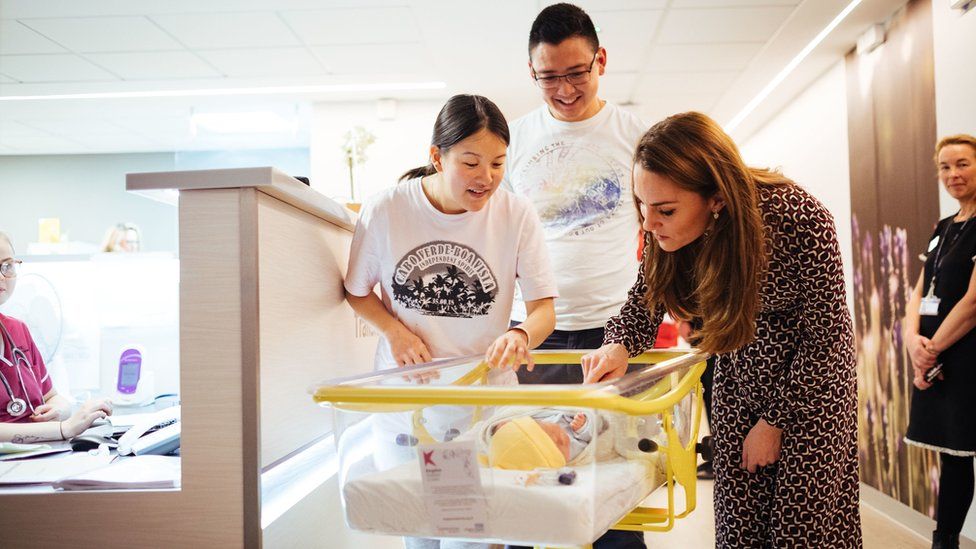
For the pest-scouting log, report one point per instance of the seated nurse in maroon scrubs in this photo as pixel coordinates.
(30, 409)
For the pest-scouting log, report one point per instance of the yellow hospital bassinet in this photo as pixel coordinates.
(415, 453)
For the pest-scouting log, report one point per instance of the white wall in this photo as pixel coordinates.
(955, 81)
(87, 192)
(808, 141)
(401, 144)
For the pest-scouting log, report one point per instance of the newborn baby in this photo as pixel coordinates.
(545, 438)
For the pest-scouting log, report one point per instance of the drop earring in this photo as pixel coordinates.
(714, 215)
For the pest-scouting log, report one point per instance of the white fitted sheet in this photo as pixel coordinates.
(391, 502)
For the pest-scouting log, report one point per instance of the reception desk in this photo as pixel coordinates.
(262, 317)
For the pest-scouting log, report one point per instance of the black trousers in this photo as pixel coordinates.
(572, 373)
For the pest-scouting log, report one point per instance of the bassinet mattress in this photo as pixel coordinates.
(392, 502)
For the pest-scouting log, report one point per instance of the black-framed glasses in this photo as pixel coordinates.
(8, 269)
(574, 78)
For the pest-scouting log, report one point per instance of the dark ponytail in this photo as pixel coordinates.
(422, 171)
(461, 117)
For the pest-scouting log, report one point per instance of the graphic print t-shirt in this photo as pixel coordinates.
(449, 278)
(577, 175)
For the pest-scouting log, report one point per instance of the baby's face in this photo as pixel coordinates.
(558, 435)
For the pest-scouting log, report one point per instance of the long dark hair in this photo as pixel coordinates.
(461, 117)
(694, 282)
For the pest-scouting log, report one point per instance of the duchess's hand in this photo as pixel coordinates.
(607, 362)
(761, 446)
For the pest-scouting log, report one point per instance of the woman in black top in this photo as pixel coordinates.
(942, 342)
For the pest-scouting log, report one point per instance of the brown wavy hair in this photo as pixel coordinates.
(715, 279)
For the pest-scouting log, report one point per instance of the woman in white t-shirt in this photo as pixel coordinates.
(446, 247)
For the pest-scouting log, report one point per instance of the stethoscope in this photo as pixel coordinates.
(16, 406)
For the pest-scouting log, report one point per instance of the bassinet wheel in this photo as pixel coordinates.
(706, 448)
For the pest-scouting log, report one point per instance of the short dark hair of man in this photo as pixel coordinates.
(559, 22)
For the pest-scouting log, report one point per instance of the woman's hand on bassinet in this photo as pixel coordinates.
(510, 350)
(407, 348)
(606, 363)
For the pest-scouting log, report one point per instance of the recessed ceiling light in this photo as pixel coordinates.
(205, 92)
(778, 79)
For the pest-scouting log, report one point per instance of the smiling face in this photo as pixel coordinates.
(674, 216)
(468, 173)
(7, 285)
(957, 171)
(569, 102)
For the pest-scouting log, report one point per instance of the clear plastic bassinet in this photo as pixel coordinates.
(437, 451)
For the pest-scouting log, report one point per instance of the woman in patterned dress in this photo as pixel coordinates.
(754, 258)
(940, 329)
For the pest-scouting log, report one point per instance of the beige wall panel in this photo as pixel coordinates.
(308, 332)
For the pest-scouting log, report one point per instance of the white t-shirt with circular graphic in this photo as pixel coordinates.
(449, 278)
(577, 175)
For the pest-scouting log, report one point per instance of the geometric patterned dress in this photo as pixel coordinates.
(798, 373)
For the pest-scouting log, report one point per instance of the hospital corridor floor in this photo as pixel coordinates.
(698, 530)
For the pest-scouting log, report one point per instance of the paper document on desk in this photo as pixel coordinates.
(46, 471)
(133, 473)
(123, 422)
(13, 451)
(14, 447)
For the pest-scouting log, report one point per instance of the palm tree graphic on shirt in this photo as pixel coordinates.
(443, 289)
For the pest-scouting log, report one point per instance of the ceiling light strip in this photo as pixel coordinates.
(272, 90)
(778, 79)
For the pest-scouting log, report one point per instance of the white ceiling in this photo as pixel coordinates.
(665, 56)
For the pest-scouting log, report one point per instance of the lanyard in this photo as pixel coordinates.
(937, 265)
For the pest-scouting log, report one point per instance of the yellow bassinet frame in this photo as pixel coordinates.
(668, 388)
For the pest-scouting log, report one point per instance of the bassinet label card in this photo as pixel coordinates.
(452, 488)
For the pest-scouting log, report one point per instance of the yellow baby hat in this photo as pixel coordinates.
(521, 444)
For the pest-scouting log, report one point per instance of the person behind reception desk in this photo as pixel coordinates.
(30, 409)
(123, 237)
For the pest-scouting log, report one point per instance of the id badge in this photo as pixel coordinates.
(929, 306)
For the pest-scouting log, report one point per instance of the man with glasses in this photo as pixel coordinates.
(572, 158)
